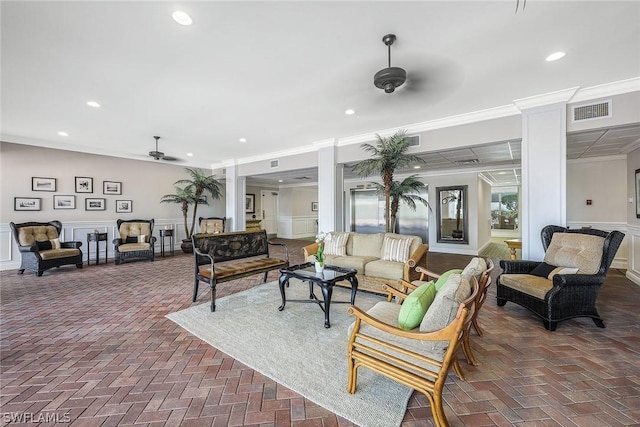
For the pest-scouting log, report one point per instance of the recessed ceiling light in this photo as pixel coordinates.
(280, 180)
(350, 112)
(190, 154)
(242, 139)
(555, 56)
(501, 173)
(182, 17)
(416, 167)
(93, 104)
(61, 133)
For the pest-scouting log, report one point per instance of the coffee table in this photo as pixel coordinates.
(325, 280)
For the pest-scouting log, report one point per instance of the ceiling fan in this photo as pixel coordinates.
(391, 77)
(159, 155)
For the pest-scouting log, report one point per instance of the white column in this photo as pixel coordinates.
(329, 191)
(235, 199)
(544, 166)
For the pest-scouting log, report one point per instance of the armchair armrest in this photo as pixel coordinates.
(32, 248)
(203, 258)
(71, 245)
(417, 259)
(518, 266)
(399, 294)
(286, 249)
(152, 240)
(424, 273)
(310, 250)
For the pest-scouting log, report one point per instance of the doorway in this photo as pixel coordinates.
(269, 205)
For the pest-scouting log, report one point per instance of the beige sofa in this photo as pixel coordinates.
(366, 253)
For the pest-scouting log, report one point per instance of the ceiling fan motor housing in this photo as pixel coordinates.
(389, 78)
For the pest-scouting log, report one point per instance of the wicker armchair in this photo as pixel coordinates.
(212, 225)
(136, 240)
(563, 293)
(41, 249)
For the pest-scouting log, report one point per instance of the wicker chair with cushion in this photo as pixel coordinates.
(212, 225)
(136, 240)
(566, 284)
(41, 249)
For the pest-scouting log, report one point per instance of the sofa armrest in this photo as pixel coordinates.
(417, 258)
(518, 266)
(310, 250)
(71, 245)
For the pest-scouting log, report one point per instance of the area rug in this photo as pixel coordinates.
(293, 348)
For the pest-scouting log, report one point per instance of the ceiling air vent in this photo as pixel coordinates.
(467, 162)
(414, 141)
(591, 111)
(273, 164)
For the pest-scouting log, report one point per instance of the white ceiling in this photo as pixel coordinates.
(281, 74)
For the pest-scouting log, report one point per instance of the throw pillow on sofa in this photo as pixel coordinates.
(336, 244)
(395, 249)
(415, 306)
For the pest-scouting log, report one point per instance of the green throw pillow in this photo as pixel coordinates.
(443, 279)
(416, 305)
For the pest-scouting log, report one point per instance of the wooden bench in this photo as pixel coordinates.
(212, 249)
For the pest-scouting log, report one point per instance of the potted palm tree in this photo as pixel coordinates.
(404, 191)
(388, 155)
(193, 193)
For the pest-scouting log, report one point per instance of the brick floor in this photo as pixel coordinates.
(92, 347)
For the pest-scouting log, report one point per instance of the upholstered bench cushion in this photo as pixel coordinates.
(129, 247)
(583, 251)
(529, 284)
(27, 236)
(59, 253)
(238, 268)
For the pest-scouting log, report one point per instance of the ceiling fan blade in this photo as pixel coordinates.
(171, 159)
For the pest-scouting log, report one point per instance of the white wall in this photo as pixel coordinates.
(143, 182)
(295, 217)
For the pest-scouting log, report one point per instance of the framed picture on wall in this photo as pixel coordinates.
(84, 184)
(43, 184)
(64, 202)
(314, 206)
(95, 204)
(27, 203)
(111, 187)
(250, 203)
(124, 206)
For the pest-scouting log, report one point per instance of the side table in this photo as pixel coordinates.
(97, 237)
(166, 232)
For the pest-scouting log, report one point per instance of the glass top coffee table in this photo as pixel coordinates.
(325, 280)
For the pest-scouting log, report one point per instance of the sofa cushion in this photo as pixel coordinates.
(395, 249)
(582, 251)
(129, 247)
(357, 262)
(415, 306)
(384, 269)
(543, 270)
(535, 286)
(336, 244)
(59, 253)
(365, 244)
(211, 226)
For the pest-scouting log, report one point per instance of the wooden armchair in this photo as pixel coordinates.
(41, 249)
(418, 358)
(136, 240)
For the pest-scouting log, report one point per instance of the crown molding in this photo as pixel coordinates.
(549, 98)
(607, 89)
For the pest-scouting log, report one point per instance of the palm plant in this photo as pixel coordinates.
(404, 191)
(184, 197)
(199, 184)
(388, 155)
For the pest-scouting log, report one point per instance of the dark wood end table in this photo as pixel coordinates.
(325, 280)
(97, 237)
